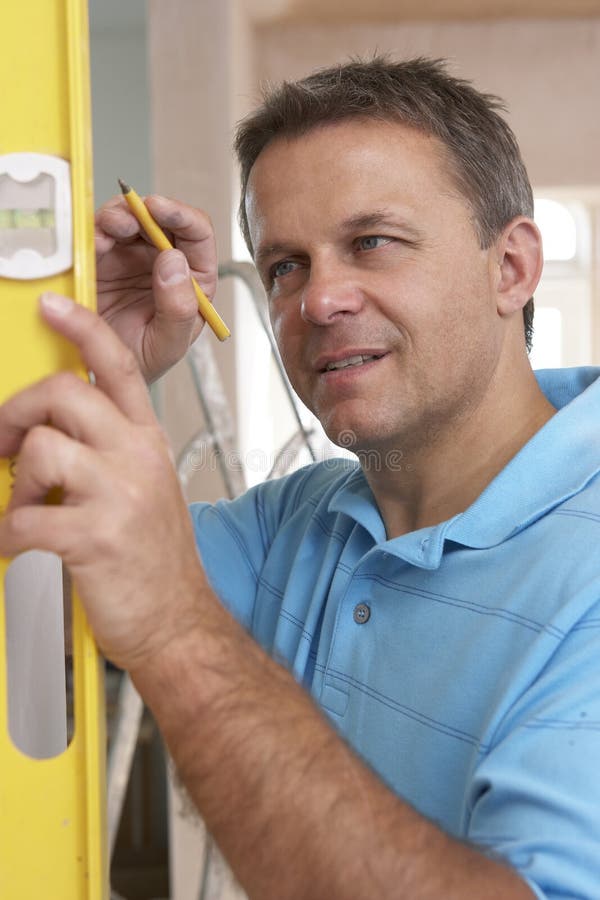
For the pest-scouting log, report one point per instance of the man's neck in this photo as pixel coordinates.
(444, 477)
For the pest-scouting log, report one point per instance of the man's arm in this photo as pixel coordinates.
(297, 814)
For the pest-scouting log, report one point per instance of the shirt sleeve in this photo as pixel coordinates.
(234, 537)
(536, 794)
(231, 540)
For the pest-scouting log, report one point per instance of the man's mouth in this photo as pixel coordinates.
(359, 360)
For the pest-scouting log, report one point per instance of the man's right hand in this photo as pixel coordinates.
(147, 296)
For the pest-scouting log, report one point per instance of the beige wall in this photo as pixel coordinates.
(547, 71)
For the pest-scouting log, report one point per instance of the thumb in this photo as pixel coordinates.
(176, 322)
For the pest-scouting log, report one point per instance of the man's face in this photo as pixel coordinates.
(381, 299)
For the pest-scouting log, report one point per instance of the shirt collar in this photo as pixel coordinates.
(354, 498)
(556, 463)
(552, 466)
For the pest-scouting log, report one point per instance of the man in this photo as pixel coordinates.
(439, 602)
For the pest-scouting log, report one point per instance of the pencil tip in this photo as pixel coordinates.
(124, 187)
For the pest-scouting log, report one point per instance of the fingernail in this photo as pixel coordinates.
(173, 268)
(56, 303)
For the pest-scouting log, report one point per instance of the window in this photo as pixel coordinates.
(559, 229)
(562, 322)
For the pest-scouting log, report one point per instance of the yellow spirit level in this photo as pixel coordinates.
(52, 793)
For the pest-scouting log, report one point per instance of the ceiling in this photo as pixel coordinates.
(265, 12)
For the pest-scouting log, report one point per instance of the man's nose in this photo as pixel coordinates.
(329, 293)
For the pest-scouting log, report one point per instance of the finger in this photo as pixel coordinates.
(50, 528)
(185, 222)
(115, 218)
(192, 233)
(113, 223)
(176, 322)
(102, 242)
(49, 459)
(114, 366)
(126, 263)
(67, 403)
(185, 225)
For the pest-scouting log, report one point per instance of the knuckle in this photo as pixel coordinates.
(35, 443)
(115, 218)
(104, 539)
(173, 218)
(18, 525)
(135, 496)
(150, 464)
(184, 308)
(207, 222)
(64, 384)
(64, 389)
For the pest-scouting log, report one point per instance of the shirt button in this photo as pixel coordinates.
(362, 613)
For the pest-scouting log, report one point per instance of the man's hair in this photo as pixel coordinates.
(482, 151)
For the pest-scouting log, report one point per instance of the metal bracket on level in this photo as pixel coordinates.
(36, 220)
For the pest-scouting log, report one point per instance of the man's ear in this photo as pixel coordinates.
(520, 260)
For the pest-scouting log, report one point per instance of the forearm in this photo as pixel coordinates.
(296, 813)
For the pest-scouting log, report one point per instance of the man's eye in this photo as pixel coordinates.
(372, 242)
(283, 268)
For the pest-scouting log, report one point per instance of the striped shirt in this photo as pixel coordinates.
(461, 661)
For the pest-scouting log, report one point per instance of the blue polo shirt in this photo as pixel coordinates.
(461, 661)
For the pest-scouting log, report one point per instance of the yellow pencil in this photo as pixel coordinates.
(161, 242)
